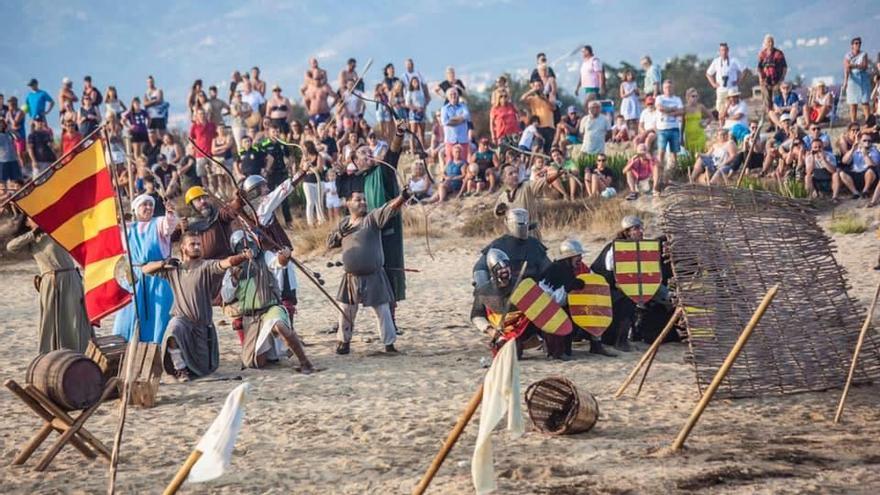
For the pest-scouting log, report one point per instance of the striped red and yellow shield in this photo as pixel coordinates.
(540, 308)
(590, 307)
(637, 269)
(76, 205)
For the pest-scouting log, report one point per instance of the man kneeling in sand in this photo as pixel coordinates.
(268, 330)
(190, 345)
(365, 281)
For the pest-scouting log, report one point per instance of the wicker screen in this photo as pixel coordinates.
(728, 247)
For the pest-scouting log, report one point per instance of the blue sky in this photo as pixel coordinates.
(121, 43)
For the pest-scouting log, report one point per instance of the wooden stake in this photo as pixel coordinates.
(182, 473)
(463, 421)
(852, 366)
(649, 354)
(724, 369)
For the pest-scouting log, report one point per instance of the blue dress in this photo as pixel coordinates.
(153, 294)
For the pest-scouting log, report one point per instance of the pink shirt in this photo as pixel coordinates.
(642, 167)
(590, 70)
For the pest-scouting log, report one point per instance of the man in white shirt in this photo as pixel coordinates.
(592, 78)
(723, 74)
(670, 110)
(735, 115)
(648, 124)
(594, 128)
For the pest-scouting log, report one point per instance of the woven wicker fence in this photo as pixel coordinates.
(728, 247)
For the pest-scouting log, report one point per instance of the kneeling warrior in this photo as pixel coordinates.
(267, 325)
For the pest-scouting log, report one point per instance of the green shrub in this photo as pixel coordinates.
(848, 224)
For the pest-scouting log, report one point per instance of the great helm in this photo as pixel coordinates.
(570, 248)
(517, 222)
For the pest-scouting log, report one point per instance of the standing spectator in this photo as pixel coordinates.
(863, 161)
(215, 107)
(694, 113)
(787, 102)
(92, 92)
(416, 105)
(639, 169)
(315, 100)
(541, 62)
(313, 165)
(256, 100)
(279, 109)
(39, 103)
(772, 69)
(258, 84)
(455, 117)
(241, 112)
(349, 73)
(735, 115)
(540, 106)
(39, 145)
(202, 132)
(451, 81)
(502, 87)
(312, 74)
(154, 103)
(66, 98)
(112, 103)
(723, 74)
(137, 122)
(819, 104)
(653, 78)
(152, 149)
(10, 165)
(592, 79)
(856, 80)
(384, 118)
(503, 119)
(629, 100)
(192, 98)
(234, 80)
(388, 77)
(3, 109)
(670, 110)
(411, 73)
(594, 129)
(89, 118)
(16, 125)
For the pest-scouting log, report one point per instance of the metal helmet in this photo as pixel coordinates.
(239, 240)
(570, 248)
(517, 221)
(630, 221)
(497, 260)
(193, 193)
(251, 184)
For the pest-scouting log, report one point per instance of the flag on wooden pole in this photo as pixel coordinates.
(75, 204)
(217, 443)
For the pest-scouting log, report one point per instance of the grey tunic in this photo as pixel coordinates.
(363, 259)
(63, 320)
(191, 326)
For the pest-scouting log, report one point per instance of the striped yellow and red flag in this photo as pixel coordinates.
(75, 204)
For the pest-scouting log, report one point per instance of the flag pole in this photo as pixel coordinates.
(135, 335)
(26, 187)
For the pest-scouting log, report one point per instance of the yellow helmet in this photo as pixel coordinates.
(193, 193)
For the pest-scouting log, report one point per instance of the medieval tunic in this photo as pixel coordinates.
(253, 286)
(380, 186)
(148, 241)
(214, 230)
(365, 280)
(63, 320)
(191, 325)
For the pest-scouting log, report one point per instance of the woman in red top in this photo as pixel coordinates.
(70, 137)
(503, 119)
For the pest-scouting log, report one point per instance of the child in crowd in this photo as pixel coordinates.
(619, 131)
(331, 197)
(530, 137)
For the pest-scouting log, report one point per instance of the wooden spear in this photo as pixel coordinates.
(852, 366)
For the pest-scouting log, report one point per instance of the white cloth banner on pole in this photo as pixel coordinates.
(501, 394)
(217, 443)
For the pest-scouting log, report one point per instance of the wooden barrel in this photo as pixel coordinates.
(68, 378)
(558, 408)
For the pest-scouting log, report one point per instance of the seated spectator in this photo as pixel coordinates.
(594, 129)
(819, 104)
(601, 179)
(572, 173)
(70, 137)
(735, 115)
(503, 120)
(639, 170)
(484, 163)
(773, 160)
(453, 176)
(619, 131)
(821, 171)
(753, 148)
(567, 129)
(647, 125)
(541, 171)
(787, 133)
(530, 138)
(848, 139)
(787, 102)
(420, 184)
(814, 133)
(716, 165)
(861, 168)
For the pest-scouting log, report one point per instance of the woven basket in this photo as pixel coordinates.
(557, 408)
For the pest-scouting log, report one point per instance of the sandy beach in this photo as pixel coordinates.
(371, 423)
